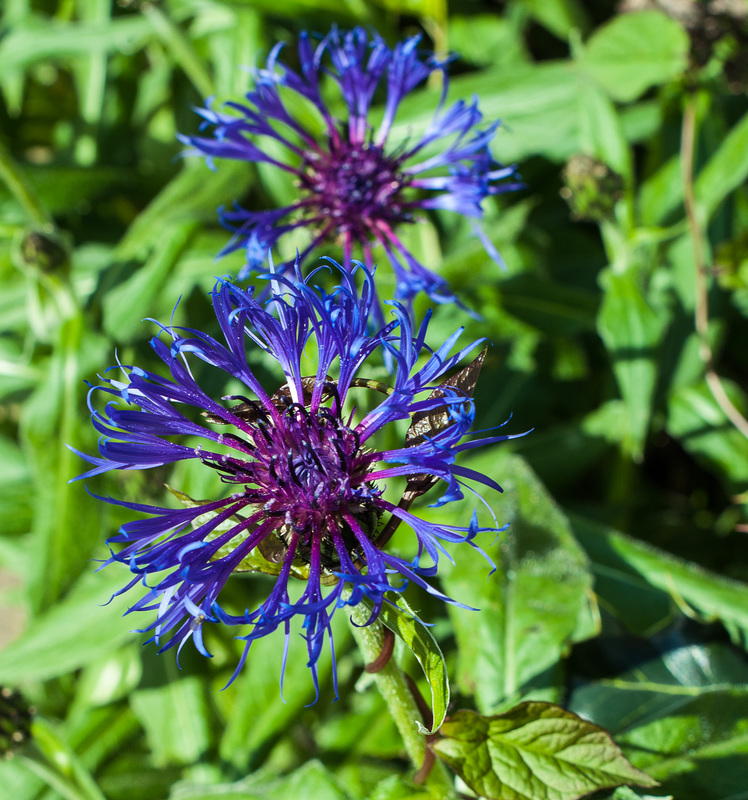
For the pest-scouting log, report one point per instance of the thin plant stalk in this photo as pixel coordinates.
(394, 688)
(701, 309)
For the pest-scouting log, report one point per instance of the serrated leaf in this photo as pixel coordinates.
(635, 51)
(417, 638)
(534, 750)
(425, 423)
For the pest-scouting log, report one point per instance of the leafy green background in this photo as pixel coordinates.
(621, 587)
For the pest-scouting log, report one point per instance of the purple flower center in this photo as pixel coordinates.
(354, 187)
(309, 472)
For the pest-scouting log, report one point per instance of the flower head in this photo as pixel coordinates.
(355, 185)
(303, 479)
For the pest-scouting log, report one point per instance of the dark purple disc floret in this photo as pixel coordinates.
(356, 186)
(303, 479)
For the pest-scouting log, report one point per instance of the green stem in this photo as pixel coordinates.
(21, 189)
(394, 689)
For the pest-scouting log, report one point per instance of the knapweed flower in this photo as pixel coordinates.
(303, 481)
(355, 186)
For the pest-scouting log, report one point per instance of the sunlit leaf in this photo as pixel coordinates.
(635, 51)
(535, 750)
(530, 608)
(312, 781)
(631, 329)
(76, 631)
(418, 639)
(623, 563)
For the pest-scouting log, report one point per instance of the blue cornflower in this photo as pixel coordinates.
(304, 480)
(354, 185)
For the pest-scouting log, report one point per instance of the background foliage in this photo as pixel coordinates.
(621, 592)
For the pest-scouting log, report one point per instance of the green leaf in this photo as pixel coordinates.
(251, 706)
(618, 558)
(682, 717)
(39, 40)
(63, 187)
(662, 193)
(642, 121)
(699, 424)
(486, 39)
(126, 305)
(534, 750)
(313, 781)
(531, 606)
(624, 793)
(66, 522)
(362, 729)
(551, 307)
(76, 631)
(109, 678)
(641, 607)
(175, 720)
(418, 639)
(631, 330)
(529, 99)
(19, 782)
(560, 17)
(192, 194)
(397, 788)
(90, 78)
(725, 171)
(64, 769)
(15, 503)
(635, 51)
(600, 128)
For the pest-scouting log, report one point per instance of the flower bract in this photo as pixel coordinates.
(301, 474)
(358, 181)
